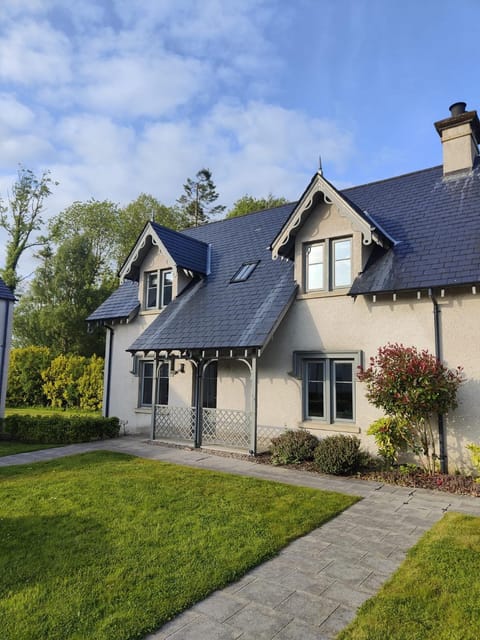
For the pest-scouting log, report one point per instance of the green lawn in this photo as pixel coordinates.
(108, 546)
(8, 448)
(435, 595)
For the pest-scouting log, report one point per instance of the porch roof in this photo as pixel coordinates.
(123, 304)
(215, 313)
(5, 292)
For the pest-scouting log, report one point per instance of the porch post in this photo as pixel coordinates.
(198, 403)
(253, 405)
(156, 364)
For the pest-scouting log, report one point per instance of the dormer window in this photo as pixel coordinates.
(244, 272)
(158, 288)
(328, 264)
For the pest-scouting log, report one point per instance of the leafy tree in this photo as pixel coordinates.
(25, 383)
(249, 204)
(133, 217)
(21, 218)
(61, 380)
(90, 384)
(67, 287)
(412, 386)
(96, 221)
(196, 203)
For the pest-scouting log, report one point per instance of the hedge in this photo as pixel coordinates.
(60, 429)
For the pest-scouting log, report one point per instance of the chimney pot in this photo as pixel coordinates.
(457, 108)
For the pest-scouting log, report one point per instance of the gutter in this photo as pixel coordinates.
(442, 438)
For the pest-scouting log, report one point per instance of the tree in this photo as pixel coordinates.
(25, 384)
(95, 220)
(67, 287)
(199, 194)
(133, 217)
(21, 218)
(249, 204)
(412, 386)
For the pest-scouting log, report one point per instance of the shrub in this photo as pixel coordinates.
(412, 385)
(25, 384)
(338, 455)
(61, 380)
(60, 429)
(392, 436)
(293, 447)
(475, 458)
(90, 384)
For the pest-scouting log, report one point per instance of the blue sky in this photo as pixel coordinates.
(117, 97)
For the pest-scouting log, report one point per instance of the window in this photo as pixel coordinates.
(328, 384)
(158, 288)
(146, 383)
(328, 264)
(244, 272)
(209, 400)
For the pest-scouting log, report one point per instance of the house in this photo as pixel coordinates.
(6, 312)
(236, 330)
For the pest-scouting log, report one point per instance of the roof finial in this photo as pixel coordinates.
(320, 169)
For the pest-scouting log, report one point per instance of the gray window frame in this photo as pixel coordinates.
(329, 264)
(160, 288)
(164, 367)
(300, 371)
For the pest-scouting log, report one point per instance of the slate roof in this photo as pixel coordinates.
(122, 304)
(215, 313)
(187, 252)
(5, 292)
(436, 225)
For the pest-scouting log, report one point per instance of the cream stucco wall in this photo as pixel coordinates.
(327, 321)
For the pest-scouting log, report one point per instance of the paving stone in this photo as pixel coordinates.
(380, 564)
(174, 625)
(339, 619)
(299, 630)
(373, 583)
(309, 608)
(349, 574)
(204, 628)
(236, 586)
(300, 581)
(260, 622)
(268, 593)
(273, 569)
(219, 606)
(344, 594)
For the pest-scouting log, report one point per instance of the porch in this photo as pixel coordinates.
(208, 427)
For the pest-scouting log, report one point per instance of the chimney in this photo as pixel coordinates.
(460, 135)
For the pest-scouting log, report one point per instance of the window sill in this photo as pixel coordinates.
(143, 410)
(335, 293)
(338, 427)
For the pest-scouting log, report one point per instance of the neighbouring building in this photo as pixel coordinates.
(228, 333)
(6, 312)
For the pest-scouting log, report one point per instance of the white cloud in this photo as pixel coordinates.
(34, 53)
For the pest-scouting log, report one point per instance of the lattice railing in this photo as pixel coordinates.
(265, 435)
(227, 427)
(175, 423)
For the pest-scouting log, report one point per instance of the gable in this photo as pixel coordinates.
(318, 192)
(179, 249)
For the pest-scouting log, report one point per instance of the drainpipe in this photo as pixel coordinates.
(108, 381)
(442, 440)
(3, 361)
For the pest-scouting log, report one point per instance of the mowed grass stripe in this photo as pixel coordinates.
(110, 546)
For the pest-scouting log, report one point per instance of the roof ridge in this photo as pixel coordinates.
(245, 215)
(180, 233)
(402, 175)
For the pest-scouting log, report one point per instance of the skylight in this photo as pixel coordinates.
(244, 272)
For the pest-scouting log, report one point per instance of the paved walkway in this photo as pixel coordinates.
(313, 588)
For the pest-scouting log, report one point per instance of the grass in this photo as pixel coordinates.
(109, 546)
(9, 448)
(436, 592)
